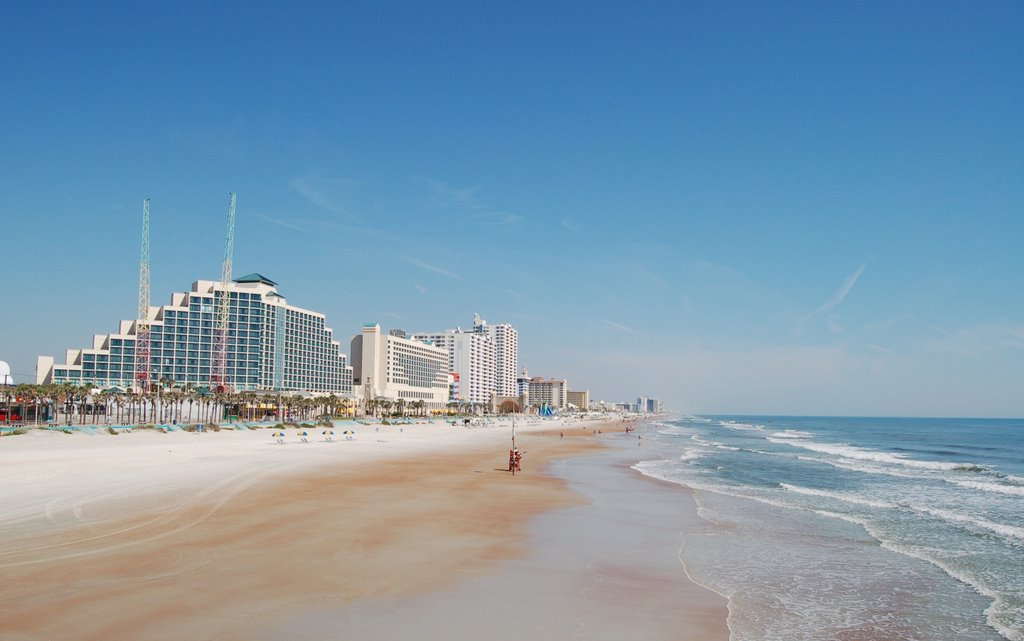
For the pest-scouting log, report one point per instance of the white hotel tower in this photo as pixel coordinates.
(485, 358)
(394, 367)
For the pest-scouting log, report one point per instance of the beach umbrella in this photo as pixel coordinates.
(328, 433)
(348, 432)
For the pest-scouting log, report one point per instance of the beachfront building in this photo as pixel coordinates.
(506, 354)
(646, 405)
(471, 356)
(271, 345)
(484, 359)
(391, 367)
(579, 399)
(523, 383)
(553, 393)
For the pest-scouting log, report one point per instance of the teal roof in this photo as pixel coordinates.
(255, 277)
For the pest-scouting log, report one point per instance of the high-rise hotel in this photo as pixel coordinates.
(271, 345)
(485, 358)
(396, 368)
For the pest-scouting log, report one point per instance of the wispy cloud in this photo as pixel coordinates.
(421, 289)
(617, 326)
(832, 320)
(904, 319)
(840, 294)
(571, 226)
(498, 218)
(444, 193)
(468, 200)
(988, 338)
(332, 194)
(433, 268)
(281, 222)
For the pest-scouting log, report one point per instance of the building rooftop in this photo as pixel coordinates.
(255, 277)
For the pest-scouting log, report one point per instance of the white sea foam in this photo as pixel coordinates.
(692, 454)
(1010, 532)
(674, 430)
(863, 454)
(865, 468)
(996, 614)
(1011, 490)
(743, 427)
(849, 518)
(792, 434)
(839, 496)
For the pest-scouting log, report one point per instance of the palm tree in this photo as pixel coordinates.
(7, 395)
(118, 398)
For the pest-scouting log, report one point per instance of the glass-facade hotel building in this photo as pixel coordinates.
(271, 345)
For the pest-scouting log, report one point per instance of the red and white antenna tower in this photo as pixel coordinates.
(143, 362)
(218, 377)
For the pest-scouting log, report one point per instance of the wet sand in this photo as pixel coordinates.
(242, 556)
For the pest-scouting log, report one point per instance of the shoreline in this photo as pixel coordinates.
(406, 516)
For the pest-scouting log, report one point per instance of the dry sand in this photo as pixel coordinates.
(237, 546)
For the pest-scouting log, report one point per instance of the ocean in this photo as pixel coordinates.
(866, 529)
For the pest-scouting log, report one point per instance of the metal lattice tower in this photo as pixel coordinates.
(218, 376)
(143, 362)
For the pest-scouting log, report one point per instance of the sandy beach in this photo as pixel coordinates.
(231, 535)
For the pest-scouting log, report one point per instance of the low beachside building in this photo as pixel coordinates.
(551, 392)
(581, 400)
(271, 345)
(395, 368)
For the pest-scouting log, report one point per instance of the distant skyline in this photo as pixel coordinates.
(805, 208)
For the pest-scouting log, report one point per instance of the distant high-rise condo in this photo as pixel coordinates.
(486, 358)
(645, 405)
(506, 354)
(271, 345)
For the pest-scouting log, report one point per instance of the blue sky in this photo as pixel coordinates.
(795, 208)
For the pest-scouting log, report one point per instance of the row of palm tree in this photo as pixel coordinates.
(401, 407)
(168, 402)
(383, 407)
(165, 402)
